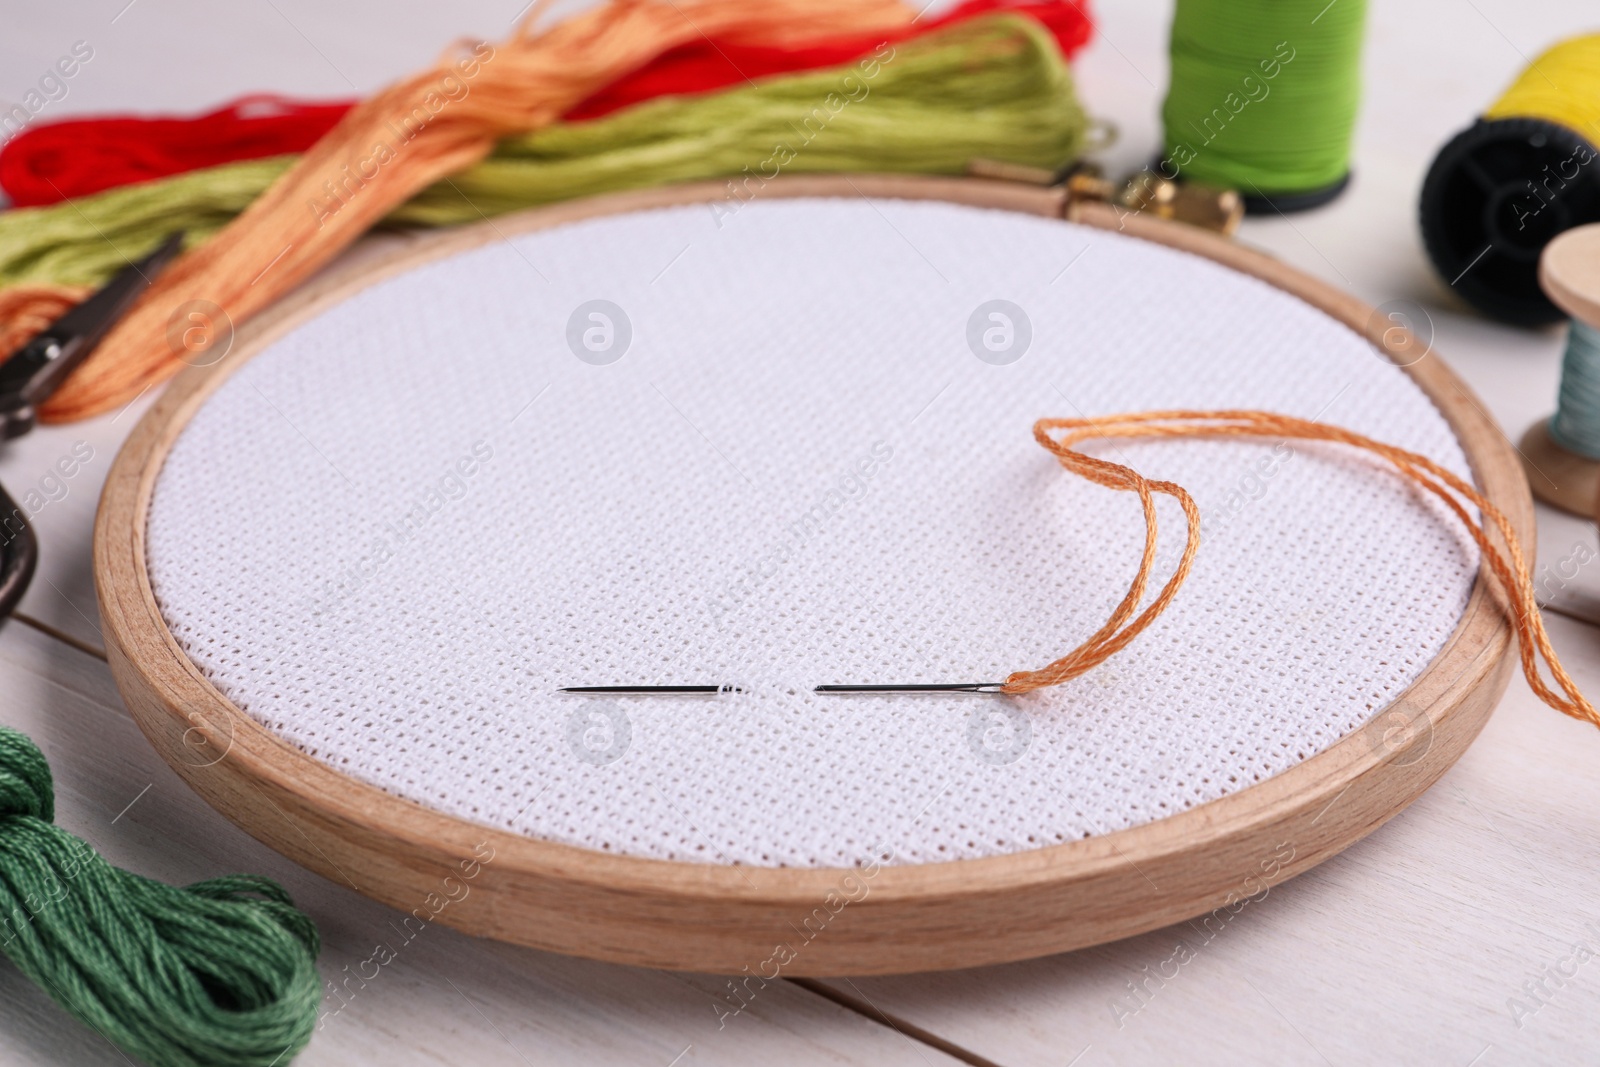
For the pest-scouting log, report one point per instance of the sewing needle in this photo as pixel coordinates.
(916, 687)
(712, 690)
(622, 690)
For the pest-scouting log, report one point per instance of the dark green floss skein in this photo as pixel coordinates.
(221, 973)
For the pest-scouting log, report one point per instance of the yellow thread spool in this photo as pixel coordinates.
(1500, 190)
(1561, 86)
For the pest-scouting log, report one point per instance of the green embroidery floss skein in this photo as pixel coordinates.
(221, 973)
(995, 87)
(1264, 98)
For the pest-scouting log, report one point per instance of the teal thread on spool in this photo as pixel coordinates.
(1264, 97)
(1576, 424)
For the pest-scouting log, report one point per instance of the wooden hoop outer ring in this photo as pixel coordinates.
(690, 916)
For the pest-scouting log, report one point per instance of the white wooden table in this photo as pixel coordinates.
(1415, 946)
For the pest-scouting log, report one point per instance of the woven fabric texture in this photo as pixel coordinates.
(393, 534)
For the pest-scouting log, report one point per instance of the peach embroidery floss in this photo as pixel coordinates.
(1118, 630)
(1508, 565)
(414, 133)
(25, 310)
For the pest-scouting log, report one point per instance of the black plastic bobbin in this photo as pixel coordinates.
(1497, 193)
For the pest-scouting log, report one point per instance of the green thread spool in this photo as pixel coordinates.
(1264, 97)
(221, 973)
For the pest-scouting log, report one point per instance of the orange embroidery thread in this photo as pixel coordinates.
(1509, 566)
(417, 131)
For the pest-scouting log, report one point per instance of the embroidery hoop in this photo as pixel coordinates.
(719, 918)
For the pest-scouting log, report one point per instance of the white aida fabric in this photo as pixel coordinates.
(396, 532)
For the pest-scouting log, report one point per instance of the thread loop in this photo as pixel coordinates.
(26, 788)
(1502, 551)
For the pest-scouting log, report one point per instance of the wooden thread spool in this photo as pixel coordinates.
(1558, 472)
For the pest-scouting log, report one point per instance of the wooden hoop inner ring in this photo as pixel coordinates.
(718, 918)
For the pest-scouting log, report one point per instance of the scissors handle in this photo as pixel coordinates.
(37, 369)
(19, 553)
(31, 373)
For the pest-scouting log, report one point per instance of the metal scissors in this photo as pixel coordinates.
(33, 372)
